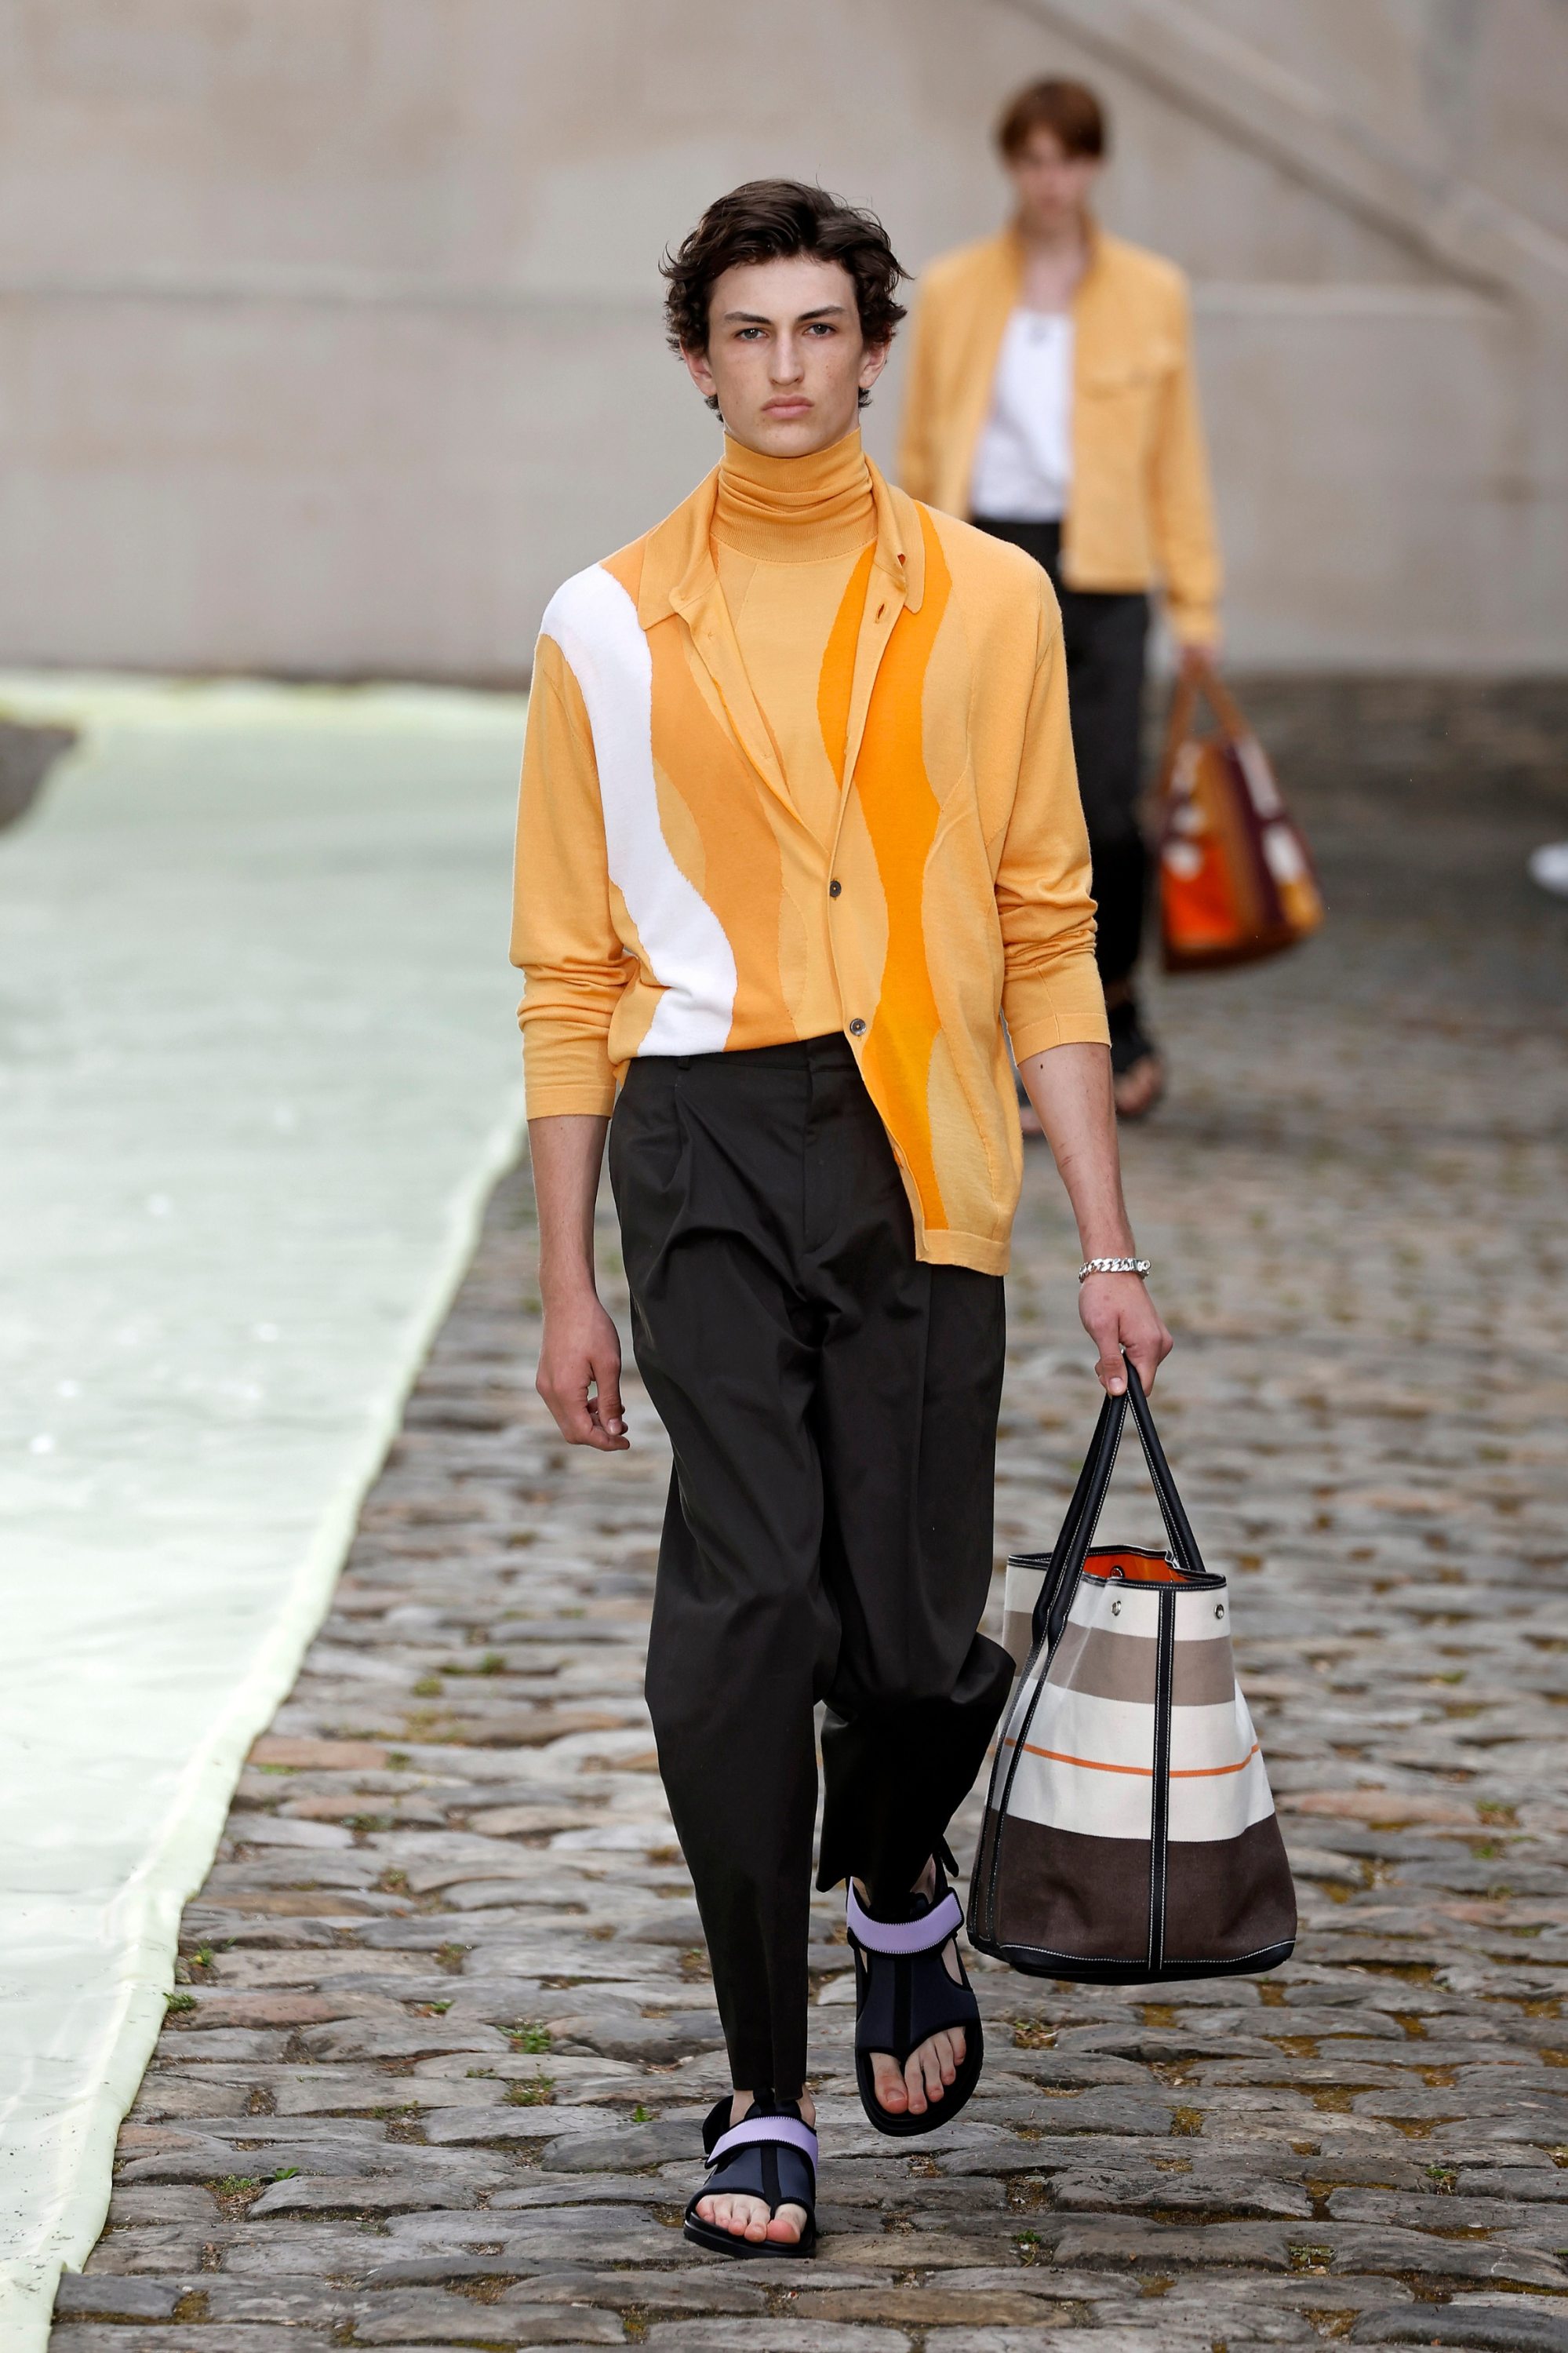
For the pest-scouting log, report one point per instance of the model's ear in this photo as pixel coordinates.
(701, 374)
(871, 366)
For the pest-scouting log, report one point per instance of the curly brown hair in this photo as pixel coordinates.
(771, 221)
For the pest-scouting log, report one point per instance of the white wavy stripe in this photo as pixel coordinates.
(594, 623)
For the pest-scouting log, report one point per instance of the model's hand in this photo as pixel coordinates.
(1199, 656)
(1117, 1313)
(579, 1374)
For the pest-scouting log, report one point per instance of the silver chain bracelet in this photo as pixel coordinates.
(1113, 1266)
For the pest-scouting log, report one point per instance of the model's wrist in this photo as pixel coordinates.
(566, 1290)
(1116, 1242)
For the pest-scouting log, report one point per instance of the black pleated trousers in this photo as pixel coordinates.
(832, 1404)
(1105, 635)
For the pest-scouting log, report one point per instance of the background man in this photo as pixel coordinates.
(798, 821)
(1051, 397)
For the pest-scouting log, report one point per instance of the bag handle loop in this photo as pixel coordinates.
(1083, 1516)
(1190, 687)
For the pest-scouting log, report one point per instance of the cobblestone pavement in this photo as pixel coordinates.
(434, 2072)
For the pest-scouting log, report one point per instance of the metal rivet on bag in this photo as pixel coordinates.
(1219, 1610)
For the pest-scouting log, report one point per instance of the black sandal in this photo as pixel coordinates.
(771, 2154)
(904, 1994)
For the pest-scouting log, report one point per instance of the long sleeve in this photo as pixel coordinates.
(563, 935)
(1051, 991)
(1181, 502)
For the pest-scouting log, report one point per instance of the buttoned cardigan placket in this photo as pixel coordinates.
(699, 599)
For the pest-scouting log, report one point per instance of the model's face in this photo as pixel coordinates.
(1053, 186)
(785, 358)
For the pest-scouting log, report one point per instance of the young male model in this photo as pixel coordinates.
(1051, 398)
(798, 826)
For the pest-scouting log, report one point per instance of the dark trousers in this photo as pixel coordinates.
(1105, 638)
(832, 1406)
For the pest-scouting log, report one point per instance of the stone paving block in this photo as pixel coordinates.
(1490, 2332)
(431, 2316)
(777, 2337)
(72, 2338)
(87, 2297)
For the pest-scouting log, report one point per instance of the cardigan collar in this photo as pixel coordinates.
(679, 574)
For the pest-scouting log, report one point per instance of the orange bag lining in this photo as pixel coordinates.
(1133, 1565)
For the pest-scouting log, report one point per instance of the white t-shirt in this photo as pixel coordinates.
(1022, 468)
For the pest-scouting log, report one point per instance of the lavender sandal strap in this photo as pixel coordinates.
(903, 1937)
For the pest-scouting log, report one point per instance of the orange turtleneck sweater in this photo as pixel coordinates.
(793, 539)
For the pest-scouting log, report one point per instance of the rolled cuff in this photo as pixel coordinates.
(566, 1075)
(1068, 1009)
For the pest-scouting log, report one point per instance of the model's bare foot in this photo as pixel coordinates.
(748, 2218)
(933, 2065)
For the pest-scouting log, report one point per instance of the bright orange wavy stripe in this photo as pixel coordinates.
(902, 813)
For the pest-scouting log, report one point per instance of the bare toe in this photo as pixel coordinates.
(892, 2091)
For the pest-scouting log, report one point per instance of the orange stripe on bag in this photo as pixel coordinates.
(1177, 1773)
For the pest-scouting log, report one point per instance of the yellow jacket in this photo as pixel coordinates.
(1139, 509)
(662, 867)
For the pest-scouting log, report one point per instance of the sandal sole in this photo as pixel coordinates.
(954, 2098)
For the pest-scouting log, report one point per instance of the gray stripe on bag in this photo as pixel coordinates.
(1104, 1665)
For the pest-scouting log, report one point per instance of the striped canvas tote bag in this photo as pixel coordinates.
(1129, 1833)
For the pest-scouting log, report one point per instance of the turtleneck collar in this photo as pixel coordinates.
(795, 510)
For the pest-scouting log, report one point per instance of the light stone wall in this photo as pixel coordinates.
(329, 335)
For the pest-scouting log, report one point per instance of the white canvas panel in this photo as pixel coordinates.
(1115, 1607)
(1070, 1797)
(1211, 1739)
(1220, 1807)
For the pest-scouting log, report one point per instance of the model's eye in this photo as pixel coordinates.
(821, 327)
(747, 334)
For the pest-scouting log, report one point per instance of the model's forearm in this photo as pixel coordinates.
(566, 1153)
(1069, 1087)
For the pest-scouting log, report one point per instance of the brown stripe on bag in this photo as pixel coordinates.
(1064, 1892)
(1227, 1897)
(1104, 1665)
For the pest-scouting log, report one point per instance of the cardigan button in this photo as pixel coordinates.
(834, 890)
(856, 1028)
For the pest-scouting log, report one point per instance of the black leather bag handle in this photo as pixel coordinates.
(1083, 1516)
(1179, 1528)
(1078, 1522)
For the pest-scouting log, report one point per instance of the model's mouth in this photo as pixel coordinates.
(788, 407)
